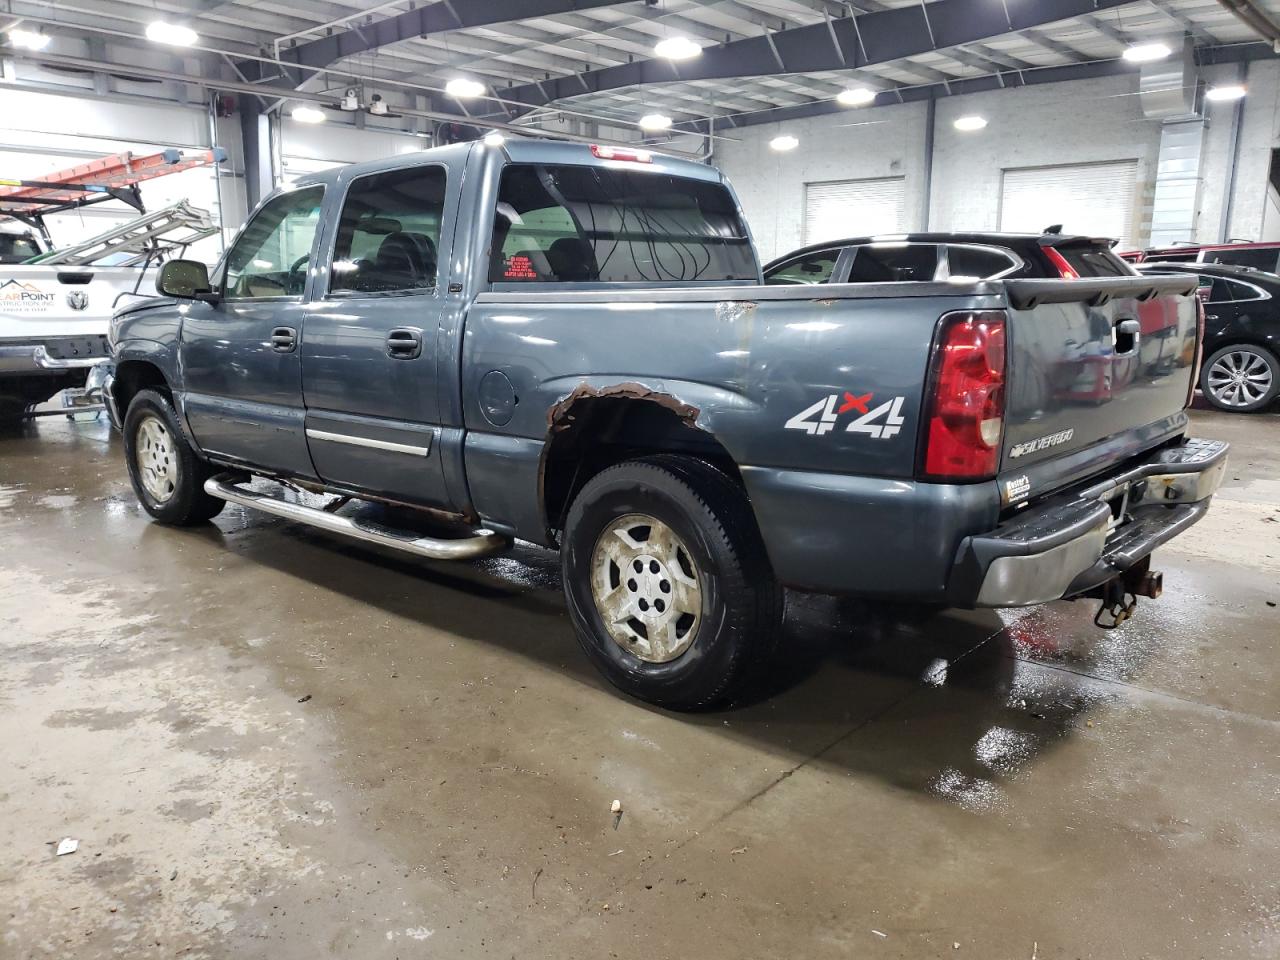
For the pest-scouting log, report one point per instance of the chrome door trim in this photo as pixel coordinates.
(370, 442)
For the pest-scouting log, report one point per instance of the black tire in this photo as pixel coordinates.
(1256, 358)
(185, 503)
(741, 604)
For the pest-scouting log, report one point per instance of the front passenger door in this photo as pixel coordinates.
(240, 356)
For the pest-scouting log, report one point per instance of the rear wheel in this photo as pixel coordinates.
(668, 584)
(1241, 378)
(168, 476)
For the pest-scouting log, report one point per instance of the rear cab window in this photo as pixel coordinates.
(17, 248)
(566, 223)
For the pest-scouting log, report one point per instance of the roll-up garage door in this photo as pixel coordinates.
(1092, 199)
(853, 208)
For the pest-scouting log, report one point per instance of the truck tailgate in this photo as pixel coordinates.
(1099, 370)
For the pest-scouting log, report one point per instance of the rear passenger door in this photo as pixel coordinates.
(370, 351)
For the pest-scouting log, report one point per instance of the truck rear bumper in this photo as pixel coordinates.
(1066, 546)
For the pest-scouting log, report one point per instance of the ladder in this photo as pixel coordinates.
(108, 178)
(154, 235)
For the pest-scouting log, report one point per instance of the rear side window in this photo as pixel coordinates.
(891, 263)
(389, 232)
(1095, 261)
(16, 248)
(816, 268)
(977, 262)
(586, 223)
(1242, 291)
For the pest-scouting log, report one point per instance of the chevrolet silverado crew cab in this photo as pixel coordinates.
(571, 345)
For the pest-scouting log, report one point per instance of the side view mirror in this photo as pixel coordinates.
(185, 279)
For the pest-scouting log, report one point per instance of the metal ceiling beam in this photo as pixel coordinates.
(1256, 19)
(1227, 53)
(432, 18)
(839, 44)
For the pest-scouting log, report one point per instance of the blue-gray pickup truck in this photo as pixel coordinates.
(570, 344)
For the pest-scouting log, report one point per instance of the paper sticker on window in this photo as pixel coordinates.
(519, 267)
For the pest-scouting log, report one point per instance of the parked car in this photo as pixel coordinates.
(1241, 372)
(1258, 256)
(948, 257)
(571, 345)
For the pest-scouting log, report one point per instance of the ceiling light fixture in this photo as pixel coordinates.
(494, 139)
(856, 97)
(677, 48)
(304, 114)
(1232, 91)
(1146, 52)
(654, 121)
(784, 143)
(464, 88)
(971, 122)
(172, 34)
(29, 39)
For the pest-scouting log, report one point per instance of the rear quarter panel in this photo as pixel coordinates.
(748, 360)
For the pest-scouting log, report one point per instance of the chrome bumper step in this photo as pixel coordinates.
(481, 544)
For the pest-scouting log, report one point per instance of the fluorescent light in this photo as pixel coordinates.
(494, 139)
(677, 48)
(971, 122)
(654, 121)
(1146, 52)
(1232, 91)
(307, 115)
(464, 88)
(856, 97)
(29, 39)
(175, 35)
(784, 143)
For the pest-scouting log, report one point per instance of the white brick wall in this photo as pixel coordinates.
(1076, 122)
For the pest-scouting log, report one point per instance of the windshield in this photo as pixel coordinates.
(577, 223)
(17, 247)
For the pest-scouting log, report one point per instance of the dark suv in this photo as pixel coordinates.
(948, 256)
(1241, 372)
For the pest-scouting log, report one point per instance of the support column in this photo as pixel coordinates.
(255, 135)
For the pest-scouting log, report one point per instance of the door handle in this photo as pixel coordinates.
(404, 343)
(1127, 334)
(1211, 316)
(284, 339)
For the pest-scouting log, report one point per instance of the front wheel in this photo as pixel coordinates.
(1241, 378)
(167, 475)
(668, 584)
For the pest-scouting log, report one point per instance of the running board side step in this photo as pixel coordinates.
(484, 543)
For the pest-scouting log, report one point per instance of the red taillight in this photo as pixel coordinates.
(965, 399)
(617, 153)
(1065, 270)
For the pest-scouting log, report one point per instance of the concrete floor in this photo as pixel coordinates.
(270, 743)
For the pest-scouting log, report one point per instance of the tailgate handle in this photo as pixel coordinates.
(72, 277)
(1128, 332)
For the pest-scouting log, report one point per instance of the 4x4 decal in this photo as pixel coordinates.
(881, 422)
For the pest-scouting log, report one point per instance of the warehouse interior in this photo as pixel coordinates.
(262, 740)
